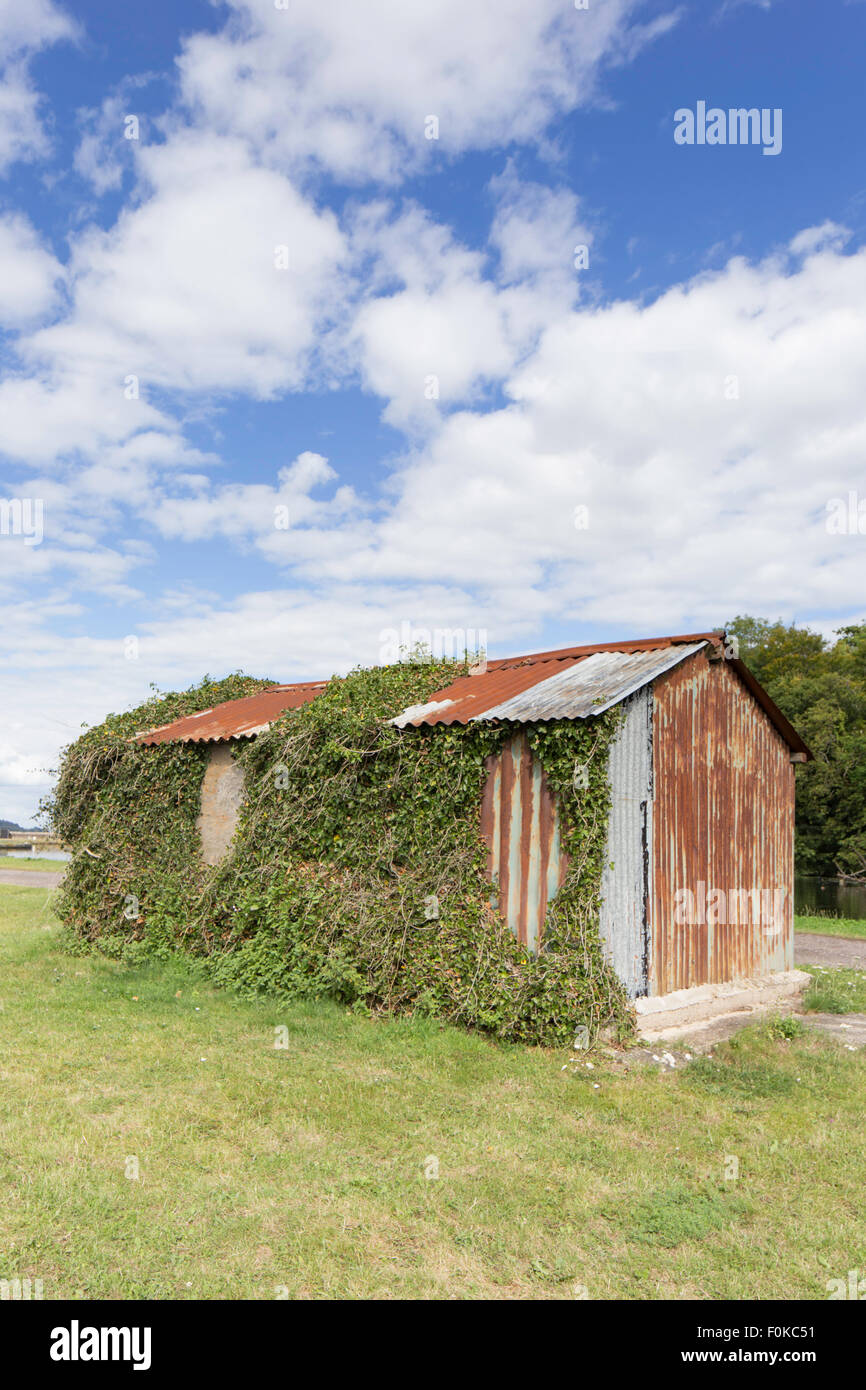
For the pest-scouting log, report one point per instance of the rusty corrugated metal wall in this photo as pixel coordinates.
(520, 823)
(723, 819)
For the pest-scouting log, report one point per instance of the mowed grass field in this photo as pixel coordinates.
(154, 1143)
(832, 926)
(9, 861)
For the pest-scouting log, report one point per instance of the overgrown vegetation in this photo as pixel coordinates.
(821, 687)
(358, 868)
(835, 990)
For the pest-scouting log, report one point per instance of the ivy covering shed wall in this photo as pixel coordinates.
(350, 828)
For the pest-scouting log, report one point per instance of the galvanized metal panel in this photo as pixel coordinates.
(723, 832)
(625, 898)
(520, 823)
(591, 686)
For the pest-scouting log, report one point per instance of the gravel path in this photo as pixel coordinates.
(31, 878)
(850, 1029)
(811, 949)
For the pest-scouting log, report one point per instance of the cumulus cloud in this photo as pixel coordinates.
(24, 30)
(350, 87)
(704, 433)
(69, 411)
(433, 330)
(29, 282)
(215, 281)
(537, 230)
(256, 512)
(109, 134)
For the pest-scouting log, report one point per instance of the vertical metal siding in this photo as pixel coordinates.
(520, 823)
(625, 897)
(723, 818)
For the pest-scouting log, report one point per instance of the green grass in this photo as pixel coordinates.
(831, 926)
(835, 991)
(671, 1217)
(55, 866)
(302, 1169)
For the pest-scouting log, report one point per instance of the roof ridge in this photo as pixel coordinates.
(589, 648)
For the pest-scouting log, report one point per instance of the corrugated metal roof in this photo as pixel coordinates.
(591, 685)
(610, 671)
(235, 718)
(471, 695)
(575, 681)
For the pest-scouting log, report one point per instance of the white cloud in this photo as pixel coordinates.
(433, 331)
(256, 511)
(536, 232)
(53, 415)
(830, 235)
(187, 290)
(24, 30)
(28, 285)
(705, 432)
(349, 87)
(109, 135)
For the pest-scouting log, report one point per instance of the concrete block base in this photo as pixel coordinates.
(688, 1011)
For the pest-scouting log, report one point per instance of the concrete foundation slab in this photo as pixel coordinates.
(675, 1015)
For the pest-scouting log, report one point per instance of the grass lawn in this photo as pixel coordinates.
(54, 866)
(831, 926)
(310, 1170)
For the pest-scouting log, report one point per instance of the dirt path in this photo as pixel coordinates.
(850, 1029)
(811, 949)
(31, 878)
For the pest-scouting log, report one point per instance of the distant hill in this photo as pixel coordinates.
(9, 825)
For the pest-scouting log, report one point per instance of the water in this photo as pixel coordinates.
(828, 895)
(34, 854)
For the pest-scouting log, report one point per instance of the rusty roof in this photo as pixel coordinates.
(235, 718)
(537, 685)
(591, 684)
(575, 682)
(494, 693)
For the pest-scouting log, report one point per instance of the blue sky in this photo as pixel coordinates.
(428, 386)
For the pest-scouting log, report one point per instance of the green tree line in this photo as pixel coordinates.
(821, 686)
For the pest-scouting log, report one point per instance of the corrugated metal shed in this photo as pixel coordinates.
(234, 718)
(702, 799)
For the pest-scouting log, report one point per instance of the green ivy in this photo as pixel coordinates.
(350, 828)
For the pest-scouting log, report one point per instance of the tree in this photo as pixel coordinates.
(821, 687)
